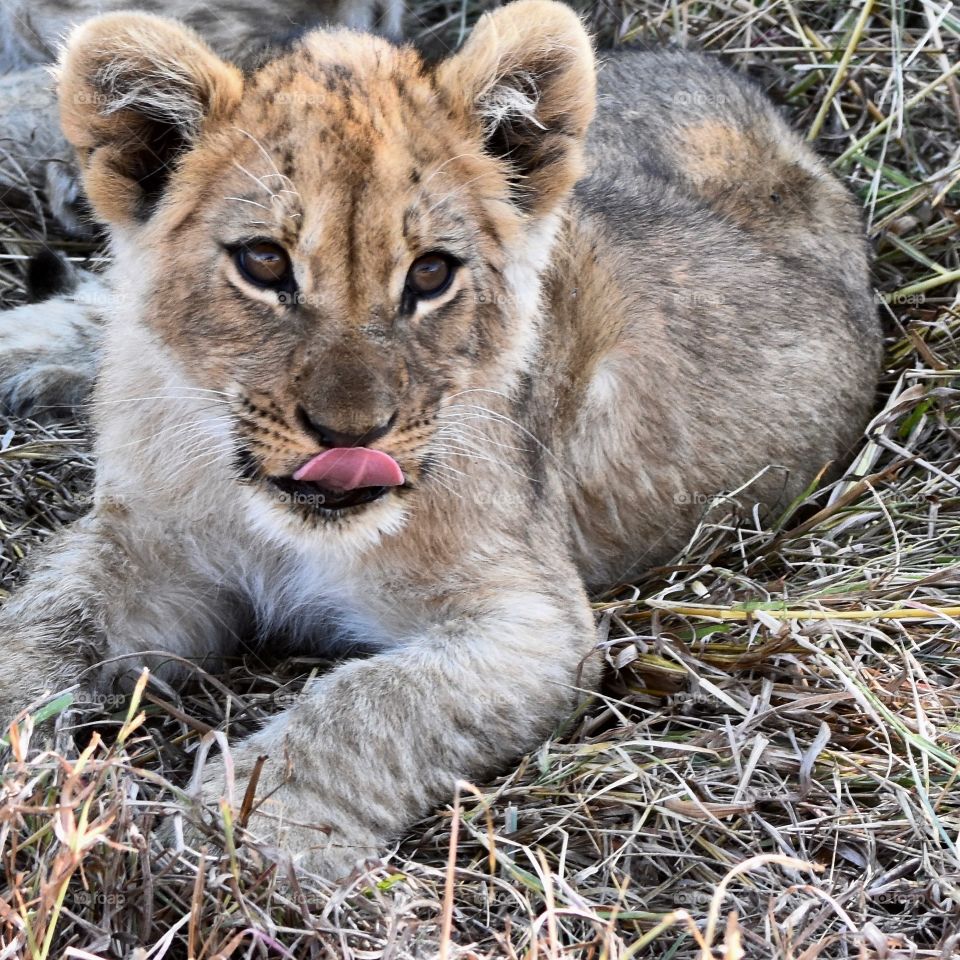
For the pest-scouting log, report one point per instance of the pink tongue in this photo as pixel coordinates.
(347, 468)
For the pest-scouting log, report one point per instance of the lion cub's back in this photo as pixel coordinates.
(721, 318)
(691, 121)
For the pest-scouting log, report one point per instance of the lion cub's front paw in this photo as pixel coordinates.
(285, 819)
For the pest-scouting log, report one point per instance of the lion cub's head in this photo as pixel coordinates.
(343, 242)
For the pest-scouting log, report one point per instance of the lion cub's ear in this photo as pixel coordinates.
(135, 93)
(527, 75)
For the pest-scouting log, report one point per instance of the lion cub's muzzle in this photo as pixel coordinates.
(343, 477)
(349, 473)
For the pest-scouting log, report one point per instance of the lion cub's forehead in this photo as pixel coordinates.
(342, 104)
(350, 142)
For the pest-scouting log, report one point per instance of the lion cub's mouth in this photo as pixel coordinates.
(341, 477)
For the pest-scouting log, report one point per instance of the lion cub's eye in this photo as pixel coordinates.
(430, 275)
(264, 264)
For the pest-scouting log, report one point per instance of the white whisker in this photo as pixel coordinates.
(459, 156)
(189, 429)
(251, 202)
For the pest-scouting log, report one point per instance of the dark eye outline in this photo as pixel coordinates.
(284, 284)
(453, 264)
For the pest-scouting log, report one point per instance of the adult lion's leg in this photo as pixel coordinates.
(50, 351)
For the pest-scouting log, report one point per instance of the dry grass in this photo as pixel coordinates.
(772, 770)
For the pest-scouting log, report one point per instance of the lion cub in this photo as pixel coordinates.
(411, 357)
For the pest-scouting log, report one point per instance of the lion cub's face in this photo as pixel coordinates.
(353, 251)
(347, 241)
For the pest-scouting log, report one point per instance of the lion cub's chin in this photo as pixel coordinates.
(277, 516)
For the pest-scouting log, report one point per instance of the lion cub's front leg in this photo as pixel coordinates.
(378, 743)
(103, 601)
(52, 626)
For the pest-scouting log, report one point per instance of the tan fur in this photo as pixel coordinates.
(120, 79)
(36, 160)
(613, 350)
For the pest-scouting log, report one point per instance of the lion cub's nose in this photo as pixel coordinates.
(333, 437)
